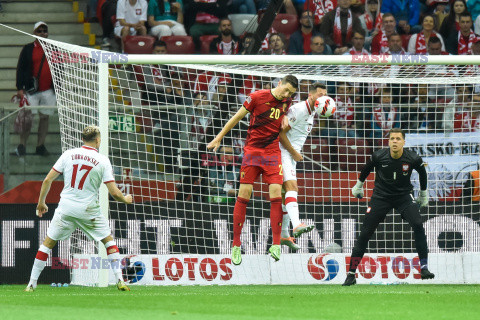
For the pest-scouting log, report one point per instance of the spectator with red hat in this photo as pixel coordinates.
(34, 81)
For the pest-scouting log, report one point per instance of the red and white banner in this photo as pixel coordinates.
(323, 268)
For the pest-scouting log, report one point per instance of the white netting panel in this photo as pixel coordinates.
(162, 116)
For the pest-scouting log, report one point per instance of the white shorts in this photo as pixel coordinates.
(162, 30)
(289, 166)
(118, 31)
(62, 226)
(43, 98)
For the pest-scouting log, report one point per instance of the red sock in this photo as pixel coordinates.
(239, 213)
(276, 216)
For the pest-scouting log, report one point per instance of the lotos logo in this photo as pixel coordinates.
(321, 270)
(133, 269)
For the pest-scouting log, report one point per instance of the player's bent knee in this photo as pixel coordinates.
(291, 185)
(245, 191)
(275, 190)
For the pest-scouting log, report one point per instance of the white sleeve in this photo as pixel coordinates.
(108, 172)
(476, 26)
(411, 43)
(121, 9)
(144, 11)
(292, 117)
(59, 166)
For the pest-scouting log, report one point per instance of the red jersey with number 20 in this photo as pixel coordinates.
(266, 114)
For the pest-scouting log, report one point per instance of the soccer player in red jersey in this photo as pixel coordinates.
(261, 156)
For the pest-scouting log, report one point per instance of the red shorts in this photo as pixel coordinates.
(258, 162)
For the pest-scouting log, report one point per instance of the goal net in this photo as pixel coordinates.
(160, 111)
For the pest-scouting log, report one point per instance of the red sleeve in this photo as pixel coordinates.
(249, 103)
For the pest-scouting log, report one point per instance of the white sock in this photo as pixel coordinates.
(39, 264)
(114, 258)
(292, 207)
(285, 225)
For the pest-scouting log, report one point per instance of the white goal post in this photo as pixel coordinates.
(157, 112)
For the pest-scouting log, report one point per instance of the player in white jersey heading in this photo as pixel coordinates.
(300, 121)
(84, 170)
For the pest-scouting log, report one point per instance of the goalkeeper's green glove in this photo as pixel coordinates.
(422, 198)
(357, 190)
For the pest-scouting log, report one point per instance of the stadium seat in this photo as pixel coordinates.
(138, 44)
(405, 40)
(243, 23)
(285, 23)
(352, 153)
(179, 44)
(206, 40)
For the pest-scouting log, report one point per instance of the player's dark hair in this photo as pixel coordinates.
(395, 34)
(388, 14)
(361, 32)
(469, 87)
(290, 79)
(90, 133)
(434, 40)
(281, 36)
(397, 130)
(317, 85)
(433, 18)
(465, 14)
(160, 43)
(386, 89)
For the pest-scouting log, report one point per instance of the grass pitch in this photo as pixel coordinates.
(244, 302)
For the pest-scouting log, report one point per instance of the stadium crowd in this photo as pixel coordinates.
(210, 24)
(365, 111)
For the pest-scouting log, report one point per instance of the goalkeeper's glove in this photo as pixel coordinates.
(422, 198)
(357, 190)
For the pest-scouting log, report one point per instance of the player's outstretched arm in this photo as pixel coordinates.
(288, 145)
(215, 143)
(47, 183)
(357, 190)
(117, 194)
(422, 198)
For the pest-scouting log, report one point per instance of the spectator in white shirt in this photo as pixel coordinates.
(131, 18)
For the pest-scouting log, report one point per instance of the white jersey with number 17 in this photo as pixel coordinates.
(300, 119)
(84, 169)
